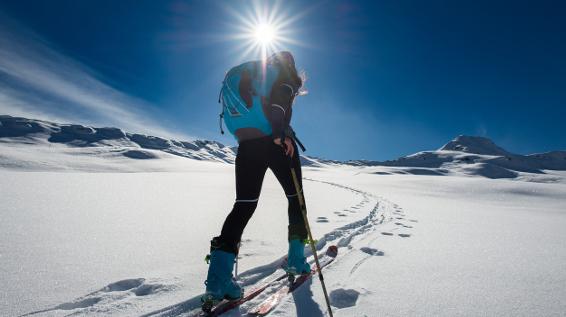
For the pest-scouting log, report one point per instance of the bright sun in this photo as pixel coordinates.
(264, 34)
(264, 28)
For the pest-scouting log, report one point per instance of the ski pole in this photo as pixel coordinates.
(311, 240)
(236, 262)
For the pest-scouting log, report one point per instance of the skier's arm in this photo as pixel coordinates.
(280, 108)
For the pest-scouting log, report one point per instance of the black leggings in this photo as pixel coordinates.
(253, 159)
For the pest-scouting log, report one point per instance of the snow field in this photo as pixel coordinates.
(66, 235)
(476, 248)
(456, 246)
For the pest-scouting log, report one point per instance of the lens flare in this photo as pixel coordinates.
(264, 28)
(264, 34)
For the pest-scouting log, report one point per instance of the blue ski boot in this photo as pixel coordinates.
(296, 262)
(220, 283)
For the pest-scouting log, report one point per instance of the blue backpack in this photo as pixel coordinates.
(247, 111)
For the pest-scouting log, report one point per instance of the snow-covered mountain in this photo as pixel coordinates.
(23, 134)
(471, 155)
(64, 144)
(68, 142)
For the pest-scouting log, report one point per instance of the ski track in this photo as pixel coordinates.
(121, 296)
(356, 239)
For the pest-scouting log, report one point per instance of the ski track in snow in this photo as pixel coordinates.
(122, 296)
(381, 212)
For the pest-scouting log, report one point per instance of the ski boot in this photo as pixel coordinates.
(296, 262)
(220, 283)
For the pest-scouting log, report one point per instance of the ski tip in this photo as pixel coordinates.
(332, 251)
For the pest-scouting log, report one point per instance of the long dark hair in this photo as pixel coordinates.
(287, 61)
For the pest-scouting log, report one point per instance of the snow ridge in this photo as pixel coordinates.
(16, 130)
(40, 145)
(474, 156)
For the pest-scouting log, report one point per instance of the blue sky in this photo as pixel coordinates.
(385, 78)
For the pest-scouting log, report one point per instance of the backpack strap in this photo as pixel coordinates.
(221, 115)
(220, 118)
(291, 133)
(299, 143)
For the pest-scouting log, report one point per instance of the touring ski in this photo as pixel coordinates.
(226, 305)
(272, 301)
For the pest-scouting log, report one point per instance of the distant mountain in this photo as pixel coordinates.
(465, 155)
(135, 146)
(472, 155)
(474, 145)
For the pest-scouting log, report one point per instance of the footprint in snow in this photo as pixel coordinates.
(123, 285)
(113, 292)
(83, 303)
(372, 251)
(321, 219)
(137, 286)
(342, 298)
(404, 235)
(387, 233)
(148, 289)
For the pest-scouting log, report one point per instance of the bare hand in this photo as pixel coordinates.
(288, 146)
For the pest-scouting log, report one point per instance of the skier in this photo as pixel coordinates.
(260, 121)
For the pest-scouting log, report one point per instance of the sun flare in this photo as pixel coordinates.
(264, 29)
(264, 34)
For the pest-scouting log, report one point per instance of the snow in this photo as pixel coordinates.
(474, 144)
(477, 247)
(97, 221)
(68, 234)
(474, 156)
(45, 146)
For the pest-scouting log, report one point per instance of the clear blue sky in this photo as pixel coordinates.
(386, 78)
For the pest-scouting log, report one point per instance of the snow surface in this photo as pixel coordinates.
(88, 231)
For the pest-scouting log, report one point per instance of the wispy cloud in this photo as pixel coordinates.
(37, 80)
